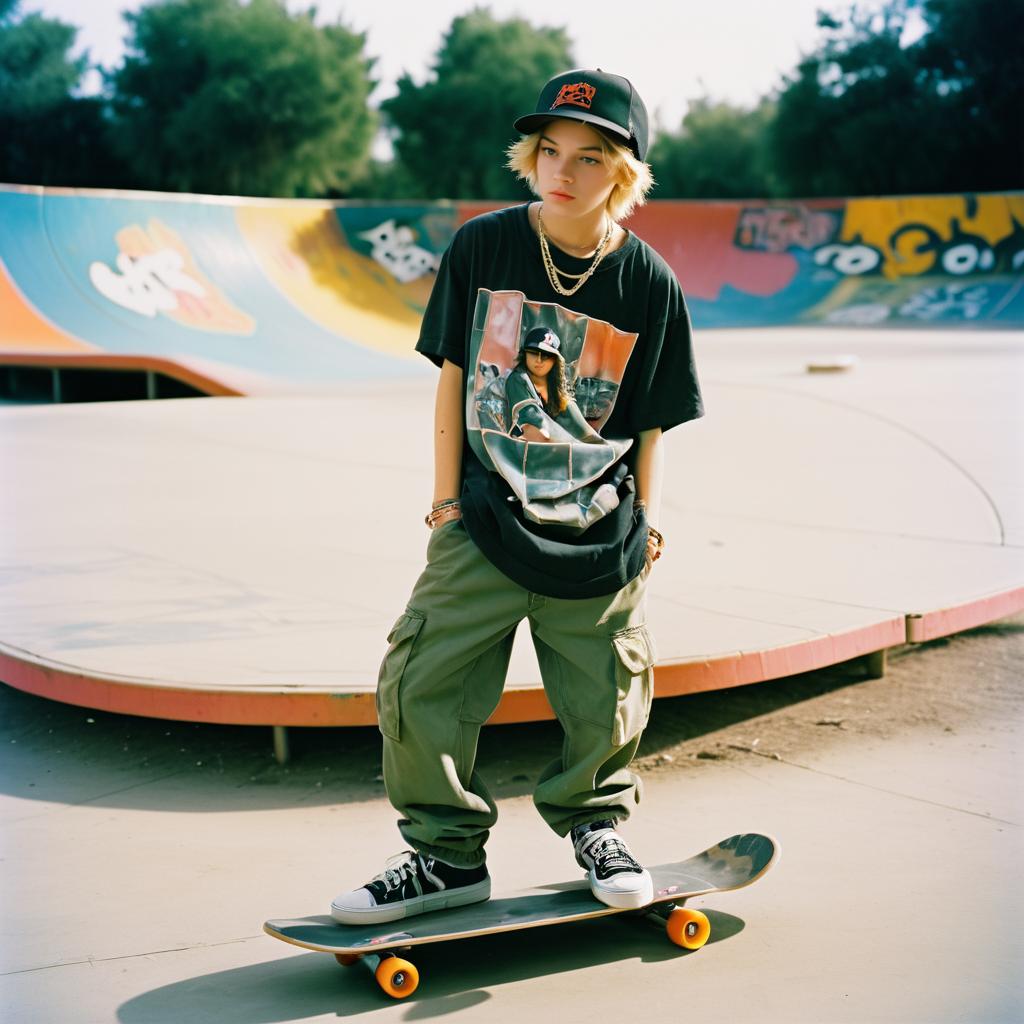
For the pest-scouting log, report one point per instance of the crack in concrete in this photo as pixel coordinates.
(91, 960)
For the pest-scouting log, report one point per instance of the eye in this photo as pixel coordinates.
(589, 160)
(547, 150)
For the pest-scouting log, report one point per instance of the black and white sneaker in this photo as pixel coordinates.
(616, 878)
(411, 884)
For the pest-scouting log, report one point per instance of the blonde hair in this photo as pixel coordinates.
(633, 177)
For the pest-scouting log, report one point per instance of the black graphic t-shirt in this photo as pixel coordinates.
(548, 491)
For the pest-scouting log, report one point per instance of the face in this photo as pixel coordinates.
(572, 173)
(539, 363)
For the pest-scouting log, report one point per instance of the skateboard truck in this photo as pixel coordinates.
(688, 928)
(397, 977)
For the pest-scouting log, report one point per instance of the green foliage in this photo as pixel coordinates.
(245, 99)
(240, 96)
(384, 179)
(453, 130)
(867, 115)
(719, 152)
(973, 57)
(36, 71)
(50, 136)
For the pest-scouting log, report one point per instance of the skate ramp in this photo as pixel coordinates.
(248, 296)
(243, 561)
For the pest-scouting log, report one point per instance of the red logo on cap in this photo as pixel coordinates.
(579, 94)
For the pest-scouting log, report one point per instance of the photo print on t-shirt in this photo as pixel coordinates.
(544, 435)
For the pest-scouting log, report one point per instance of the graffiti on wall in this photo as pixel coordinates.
(954, 235)
(950, 235)
(394, 246)
(958, 257)
(154, 273)
(784, 227)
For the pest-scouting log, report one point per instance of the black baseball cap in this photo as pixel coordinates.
(608, 102)
(543, 339)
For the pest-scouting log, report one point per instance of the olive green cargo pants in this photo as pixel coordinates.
(443, 675)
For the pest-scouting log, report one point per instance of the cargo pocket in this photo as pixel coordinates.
(634, 673)
(400, 642)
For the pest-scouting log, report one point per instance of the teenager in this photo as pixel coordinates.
(547, 492)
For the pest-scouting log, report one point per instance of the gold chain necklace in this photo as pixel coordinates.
(553, 271)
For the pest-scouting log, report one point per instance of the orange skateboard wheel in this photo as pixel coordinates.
(347, 959)
(397, 977)
(688, 928)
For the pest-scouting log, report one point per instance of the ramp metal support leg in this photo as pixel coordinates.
(874, 664)
(281, 752)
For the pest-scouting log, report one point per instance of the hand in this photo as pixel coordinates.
(653, 552)
(655, 546)
(535, 434)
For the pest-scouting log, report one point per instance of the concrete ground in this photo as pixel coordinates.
(141, 857)
(184, 552)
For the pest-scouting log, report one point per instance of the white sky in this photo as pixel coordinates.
(734, 50)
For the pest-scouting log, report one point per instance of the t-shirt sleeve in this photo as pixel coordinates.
(669, 392)
(444, 327)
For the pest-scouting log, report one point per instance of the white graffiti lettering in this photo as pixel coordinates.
(394, 248)
(848, 259)
(146, 285)
(965, 258)
(945, 301)
(862, 314)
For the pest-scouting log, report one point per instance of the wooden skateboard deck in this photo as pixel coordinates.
(731, 864)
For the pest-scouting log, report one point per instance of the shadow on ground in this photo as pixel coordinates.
(63, 754)
(453, 976)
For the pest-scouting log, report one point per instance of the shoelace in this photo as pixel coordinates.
(611, 854)
(398, 869)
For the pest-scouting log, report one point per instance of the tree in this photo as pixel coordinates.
(452, 131)
(36, 73)
(973, 61)
(242, 98)
(866, 114)
(51, 137)
(719, 152)
(848, 121)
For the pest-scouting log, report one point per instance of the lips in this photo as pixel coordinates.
(561, 195)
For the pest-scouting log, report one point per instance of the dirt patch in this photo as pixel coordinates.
(976, 677)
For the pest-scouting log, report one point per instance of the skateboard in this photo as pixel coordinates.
(731, 864)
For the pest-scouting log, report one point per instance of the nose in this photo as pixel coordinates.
(562, 170)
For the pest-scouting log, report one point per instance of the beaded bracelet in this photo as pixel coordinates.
(435, 515)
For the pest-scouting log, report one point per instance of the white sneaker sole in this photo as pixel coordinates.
(446, 899)
(628, 899)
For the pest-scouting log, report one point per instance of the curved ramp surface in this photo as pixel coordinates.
(243, 561)
(248, 296)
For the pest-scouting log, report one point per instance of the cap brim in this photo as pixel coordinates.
(542, 348)
(532, 122)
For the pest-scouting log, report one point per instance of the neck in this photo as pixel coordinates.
(574, 234)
